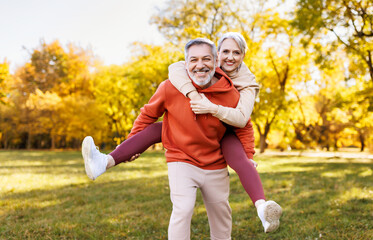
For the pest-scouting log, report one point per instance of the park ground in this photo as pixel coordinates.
(46, 195)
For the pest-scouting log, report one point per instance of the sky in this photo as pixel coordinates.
(108, 27)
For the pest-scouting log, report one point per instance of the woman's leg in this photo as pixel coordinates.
(137, 143)
(269, 212)
(96, 162)
(236, 158)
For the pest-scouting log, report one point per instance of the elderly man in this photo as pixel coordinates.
(192, 141)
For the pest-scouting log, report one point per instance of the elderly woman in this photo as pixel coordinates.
(238, 143)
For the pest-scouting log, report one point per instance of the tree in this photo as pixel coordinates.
(350, 21)
(358, 112)
(8, 113)
(348, 24)
(53, 75)
(183, 20)
(280, 66)
(4, 76)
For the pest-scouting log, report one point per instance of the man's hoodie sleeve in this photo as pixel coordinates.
(151, 111)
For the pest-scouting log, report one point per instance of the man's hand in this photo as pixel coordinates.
(134, 157)
(203, 106)
(254, 163)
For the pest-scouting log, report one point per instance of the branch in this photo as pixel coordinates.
(300, 106)
(274, 65)
(339, 38)
(283, 82)
(349, 13)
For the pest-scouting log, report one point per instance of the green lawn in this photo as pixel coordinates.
(46, 195)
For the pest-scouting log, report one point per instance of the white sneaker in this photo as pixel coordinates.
(94, 161)
(269, 213)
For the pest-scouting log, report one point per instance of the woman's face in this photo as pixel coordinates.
(230, 56)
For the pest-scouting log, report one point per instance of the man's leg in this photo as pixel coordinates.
(183, 190)
(215, 193)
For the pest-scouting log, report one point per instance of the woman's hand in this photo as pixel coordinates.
(203, 106)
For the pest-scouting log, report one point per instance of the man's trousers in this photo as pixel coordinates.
(184, 179)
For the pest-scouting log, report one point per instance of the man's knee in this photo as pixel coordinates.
(182, 206)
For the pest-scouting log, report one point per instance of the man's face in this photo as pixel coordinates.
(200, 64)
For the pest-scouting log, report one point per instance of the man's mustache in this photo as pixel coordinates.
(205, 69)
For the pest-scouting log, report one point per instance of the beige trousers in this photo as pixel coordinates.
(184, 179)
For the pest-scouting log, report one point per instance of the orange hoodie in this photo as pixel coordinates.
(190, 138)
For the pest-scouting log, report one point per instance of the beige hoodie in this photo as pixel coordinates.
(244, 81)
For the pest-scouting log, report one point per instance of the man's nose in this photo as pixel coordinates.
(200, 64)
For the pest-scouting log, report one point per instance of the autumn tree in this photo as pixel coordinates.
(357, 112)
(52, 78)
(4, 76)
(350, 21)
(7, 113)
(330, 26)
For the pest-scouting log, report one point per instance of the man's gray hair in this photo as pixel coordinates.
(200, 41)
(240, 40)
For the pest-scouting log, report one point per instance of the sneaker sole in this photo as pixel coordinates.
(86, 151)
(272, 214)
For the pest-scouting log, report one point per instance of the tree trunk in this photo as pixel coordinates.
(5, 141)
(53, 142)
(262, 143)
(370, 65)
(29, 140)
(362, 142)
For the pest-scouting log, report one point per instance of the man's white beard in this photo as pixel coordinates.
(206, 81)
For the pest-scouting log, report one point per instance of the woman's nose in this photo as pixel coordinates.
(230, 56)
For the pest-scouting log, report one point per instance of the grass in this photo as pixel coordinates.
(46, 195)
